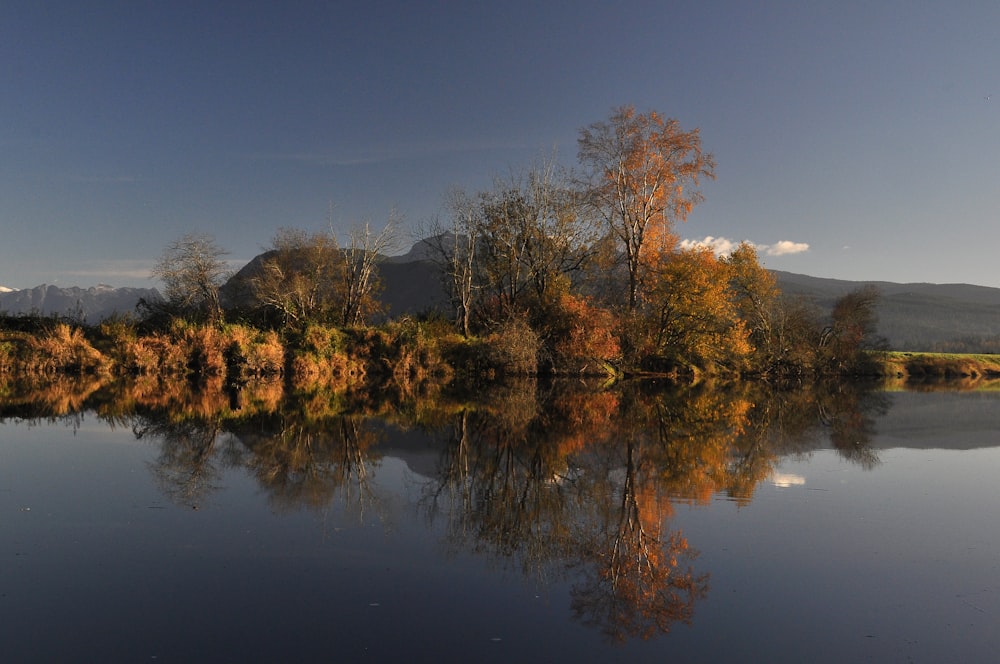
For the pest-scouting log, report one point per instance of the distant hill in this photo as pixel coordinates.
(411, 283)
(90, 304)
(916, 316)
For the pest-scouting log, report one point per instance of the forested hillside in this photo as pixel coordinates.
(917, 316)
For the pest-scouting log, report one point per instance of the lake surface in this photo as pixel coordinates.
(701, 526)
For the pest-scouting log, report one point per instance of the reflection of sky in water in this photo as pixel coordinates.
(785, 480)
(828, 562)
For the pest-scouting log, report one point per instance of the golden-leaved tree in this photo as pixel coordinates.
(643, 176)
(690, 313)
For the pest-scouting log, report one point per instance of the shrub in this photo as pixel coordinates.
(581, 336)
(514, 348)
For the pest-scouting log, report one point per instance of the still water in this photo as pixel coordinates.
(698, 526)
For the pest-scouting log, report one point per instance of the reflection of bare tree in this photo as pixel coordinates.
(185, 469)
(498, 493)
(848, 412)
(307, 463)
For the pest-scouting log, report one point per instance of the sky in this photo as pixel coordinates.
(853, 140)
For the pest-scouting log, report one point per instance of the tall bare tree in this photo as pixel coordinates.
(364, 250)
(513, 246)
(534, 233)
(644, 171)
(452, 247)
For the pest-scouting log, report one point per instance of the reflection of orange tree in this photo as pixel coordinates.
(694, 431)
(636, 580)
(538, 486)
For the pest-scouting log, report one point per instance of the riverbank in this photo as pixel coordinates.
(912, 367)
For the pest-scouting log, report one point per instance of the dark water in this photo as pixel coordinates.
(700, 526)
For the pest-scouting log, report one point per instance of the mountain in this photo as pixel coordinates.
(911, 316)
(90, 304)
(411, 283)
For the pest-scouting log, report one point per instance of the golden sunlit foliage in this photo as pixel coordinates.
(691, 314)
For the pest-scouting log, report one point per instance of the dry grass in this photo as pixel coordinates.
(960, 370)
(65, 349)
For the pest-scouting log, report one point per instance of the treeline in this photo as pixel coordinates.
(547, 271)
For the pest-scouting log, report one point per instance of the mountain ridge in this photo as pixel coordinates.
(91, 304)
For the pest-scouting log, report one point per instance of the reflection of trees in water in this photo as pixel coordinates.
(550, 481)
(46, 396)
(572, 488)
(186, 469)
(849, 415)
(311, 463)
(299, 462)
(497, 489)
(635, 580)
(583, 483)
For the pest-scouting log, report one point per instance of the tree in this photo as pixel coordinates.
(364, 250)
(192, 270)
(453, 249)
(511, 249)
(643, 176)
(535, 234)
(690, 312)
(300, 278)
(852, 326)
(754, 291)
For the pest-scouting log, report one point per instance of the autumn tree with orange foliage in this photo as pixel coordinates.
(690, 313)
(644, 171)
(754, 292)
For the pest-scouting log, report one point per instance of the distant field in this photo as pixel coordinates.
(936, 366)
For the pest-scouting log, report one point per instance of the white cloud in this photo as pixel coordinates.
(720, 245)
(723, 246)
(784, 248)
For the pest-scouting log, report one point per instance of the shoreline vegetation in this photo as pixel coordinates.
(959, 370)
(408, 357)
(546, 273)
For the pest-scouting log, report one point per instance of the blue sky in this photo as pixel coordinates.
(865, 130)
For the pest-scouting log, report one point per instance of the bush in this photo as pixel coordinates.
(513, 349)
(581, 336)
